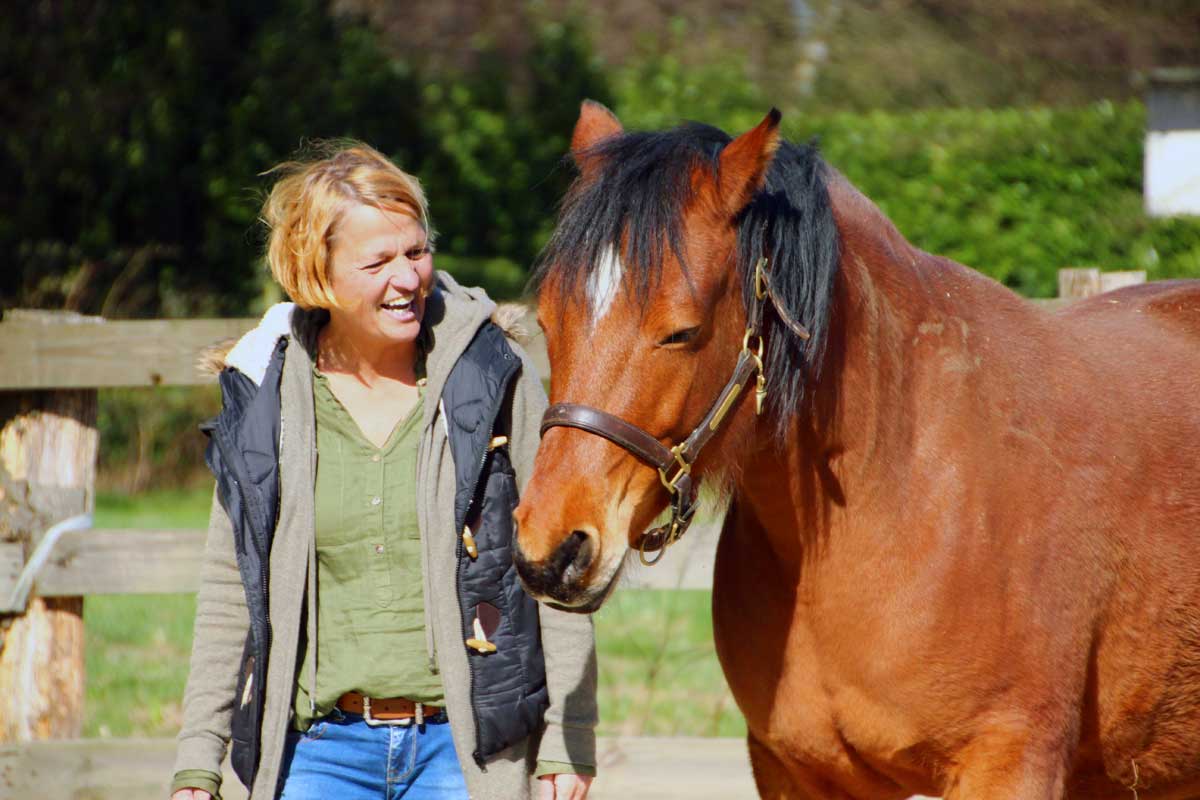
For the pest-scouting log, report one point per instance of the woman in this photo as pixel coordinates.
(360, 630)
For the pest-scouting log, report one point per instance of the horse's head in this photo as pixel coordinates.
(643, 295)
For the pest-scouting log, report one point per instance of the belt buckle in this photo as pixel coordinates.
(403, 722)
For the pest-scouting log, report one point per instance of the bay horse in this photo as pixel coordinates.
(962, 548)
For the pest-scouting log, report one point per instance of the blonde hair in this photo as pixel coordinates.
(305, 205)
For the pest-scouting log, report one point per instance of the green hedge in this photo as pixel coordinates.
(1015, 193)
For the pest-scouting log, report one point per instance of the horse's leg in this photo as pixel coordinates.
(1009, 764)
(775, 781)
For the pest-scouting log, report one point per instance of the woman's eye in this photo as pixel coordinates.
(380, 260)
(680, 337)
(417, 253)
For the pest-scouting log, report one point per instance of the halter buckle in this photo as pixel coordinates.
(760, 278)
(684, 468)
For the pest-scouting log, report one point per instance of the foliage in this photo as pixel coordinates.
(151, 438)
(1015, 193)
(135, 135)
(497, 171)
(660, 89)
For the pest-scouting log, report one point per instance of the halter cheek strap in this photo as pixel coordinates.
(674, 464)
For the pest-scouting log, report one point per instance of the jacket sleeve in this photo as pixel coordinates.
(222, 622)
(568, 640)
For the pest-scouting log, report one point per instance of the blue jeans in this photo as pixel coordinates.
(342, 757)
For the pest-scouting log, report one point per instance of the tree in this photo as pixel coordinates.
(136, 134)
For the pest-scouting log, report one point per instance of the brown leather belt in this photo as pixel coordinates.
(385, 709)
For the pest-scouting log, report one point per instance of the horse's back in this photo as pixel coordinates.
(1173, 305)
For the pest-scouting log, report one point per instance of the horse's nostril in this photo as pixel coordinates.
(576, 554)
(557, 575)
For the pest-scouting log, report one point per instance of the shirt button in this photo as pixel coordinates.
(375, 457)
(376, 501)
(379, 549)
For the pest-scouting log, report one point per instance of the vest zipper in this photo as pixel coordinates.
(262, 564)
(462, 568)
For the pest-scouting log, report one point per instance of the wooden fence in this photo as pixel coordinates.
(51, 365)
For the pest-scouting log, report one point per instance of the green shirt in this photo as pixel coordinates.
(370, 600)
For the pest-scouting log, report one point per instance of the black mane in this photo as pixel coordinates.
(635, 205)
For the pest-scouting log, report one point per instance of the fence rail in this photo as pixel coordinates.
(104, 561)
(61, 351)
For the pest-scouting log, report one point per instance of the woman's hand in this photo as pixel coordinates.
(194, 794)
(564, 786)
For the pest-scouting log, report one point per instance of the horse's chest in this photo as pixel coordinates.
(813, 690)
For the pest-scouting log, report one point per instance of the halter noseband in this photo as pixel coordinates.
(674, 464)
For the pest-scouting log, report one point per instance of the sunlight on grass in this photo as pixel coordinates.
(182, 508)
(137, 650)
(658, 671)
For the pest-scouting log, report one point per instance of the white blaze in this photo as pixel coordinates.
(603, 283)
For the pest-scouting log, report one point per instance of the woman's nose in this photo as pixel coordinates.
(403, 275)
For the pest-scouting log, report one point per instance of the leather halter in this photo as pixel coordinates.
(674, 464)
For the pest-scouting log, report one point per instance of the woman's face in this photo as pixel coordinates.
(379, 266)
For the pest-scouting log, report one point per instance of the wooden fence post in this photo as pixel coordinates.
(48, 445)
(1079, 282)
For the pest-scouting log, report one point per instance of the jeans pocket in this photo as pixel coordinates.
(316, 730)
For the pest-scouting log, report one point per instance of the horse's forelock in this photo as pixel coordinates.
(631, 203)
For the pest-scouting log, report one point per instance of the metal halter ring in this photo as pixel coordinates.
(667, 542)
(760, 278)
(757, 352)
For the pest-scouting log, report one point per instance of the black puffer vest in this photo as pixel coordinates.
(508, 686)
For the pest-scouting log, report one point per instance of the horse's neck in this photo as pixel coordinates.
(854, 424)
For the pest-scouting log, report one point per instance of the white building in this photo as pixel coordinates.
(1172, 169)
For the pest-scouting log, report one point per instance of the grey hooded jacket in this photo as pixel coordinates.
(454, 316)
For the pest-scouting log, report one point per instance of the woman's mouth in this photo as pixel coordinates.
(401, 309)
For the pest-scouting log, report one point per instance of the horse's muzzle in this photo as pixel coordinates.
(561, 577)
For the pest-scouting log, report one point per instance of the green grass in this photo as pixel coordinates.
(175, 508)
(658, 672)
(137, 649)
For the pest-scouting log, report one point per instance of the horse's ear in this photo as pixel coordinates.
(744, 163)
(595, 124)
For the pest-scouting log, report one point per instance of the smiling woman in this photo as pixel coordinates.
(360, 630)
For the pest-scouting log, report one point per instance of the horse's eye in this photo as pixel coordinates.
(680, 337)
